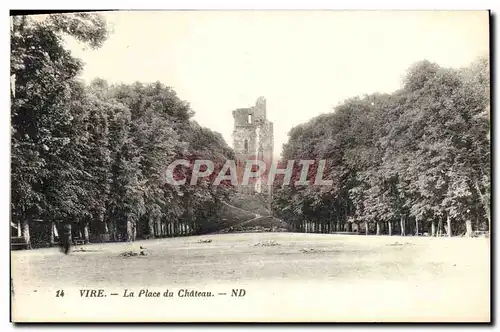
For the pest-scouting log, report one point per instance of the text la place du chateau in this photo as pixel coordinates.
(183, 292)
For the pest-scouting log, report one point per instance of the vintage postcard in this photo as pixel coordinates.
(250, 166)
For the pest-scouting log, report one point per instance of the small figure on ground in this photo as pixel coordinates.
(66, 238)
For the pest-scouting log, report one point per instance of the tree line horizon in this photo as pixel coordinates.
(95, 154)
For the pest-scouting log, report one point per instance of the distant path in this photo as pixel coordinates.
(257, 216)
(237, 208)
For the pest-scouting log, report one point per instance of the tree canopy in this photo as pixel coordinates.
(96, 155)
(418, 155)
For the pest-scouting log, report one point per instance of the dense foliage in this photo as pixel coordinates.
(96, 155)
(416, 160)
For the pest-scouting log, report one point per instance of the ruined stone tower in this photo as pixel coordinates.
(253, 139)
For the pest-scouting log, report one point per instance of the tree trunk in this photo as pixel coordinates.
(433, 228)
(19, 229)
(157, 228)
(389, 225)
(151, 227)
(366, 227)
(486, 206)
(402, 221)
(378, 228)
(448, 223)
(71, 233)
(26, 233)
(349, 226)
(52, 235)
(468, 227)
(129, 230)
(112, 229)
(106, 232)
(86, 235)
(416, 226)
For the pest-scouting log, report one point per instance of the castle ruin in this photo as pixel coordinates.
(253, 140)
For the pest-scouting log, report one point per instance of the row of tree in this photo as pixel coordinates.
(96, 155)
(414, 161)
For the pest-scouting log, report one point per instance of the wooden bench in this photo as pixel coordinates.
(14, 246)
(481, 233)
(78, 241)
(18, 242)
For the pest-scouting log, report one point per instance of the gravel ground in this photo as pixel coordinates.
(286, 277)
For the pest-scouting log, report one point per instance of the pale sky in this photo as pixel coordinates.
(303, 62)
